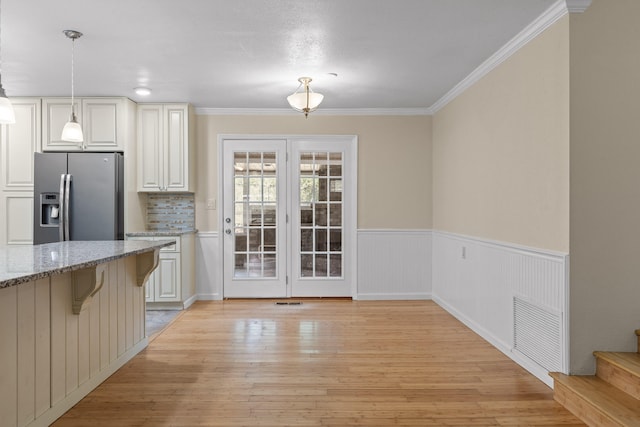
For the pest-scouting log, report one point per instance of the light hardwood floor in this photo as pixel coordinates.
(323, 363)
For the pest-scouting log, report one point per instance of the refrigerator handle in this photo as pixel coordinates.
(61, 208)
(67, 195)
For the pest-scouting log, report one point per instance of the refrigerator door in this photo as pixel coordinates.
(96, 197)
(47, 215)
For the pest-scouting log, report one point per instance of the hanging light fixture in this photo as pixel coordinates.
(7, 116)
(304, 99)
(72, 131)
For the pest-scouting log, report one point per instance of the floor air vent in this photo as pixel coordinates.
(537, 334)
(288, 303)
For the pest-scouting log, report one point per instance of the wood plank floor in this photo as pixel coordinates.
(322, 363)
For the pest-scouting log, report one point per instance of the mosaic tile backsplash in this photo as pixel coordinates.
(171, 211)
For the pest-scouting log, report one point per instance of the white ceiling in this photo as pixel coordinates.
(249, 53)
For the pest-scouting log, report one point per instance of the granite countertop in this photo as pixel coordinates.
(20, 264)
(160, 233)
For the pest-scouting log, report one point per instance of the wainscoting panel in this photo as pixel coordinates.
(394, 264)
(514, 297)
(208, 266)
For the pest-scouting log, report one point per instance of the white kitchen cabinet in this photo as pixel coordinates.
(172, 284)
(18, 142)
(104, 121)
(16, 218)
(165, 148)
(168, 278)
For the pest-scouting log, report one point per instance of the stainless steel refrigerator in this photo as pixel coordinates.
(78, 196)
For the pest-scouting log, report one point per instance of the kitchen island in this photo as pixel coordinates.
(71, 314)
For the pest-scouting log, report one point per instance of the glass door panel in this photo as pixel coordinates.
(254, 219)
(318, 258)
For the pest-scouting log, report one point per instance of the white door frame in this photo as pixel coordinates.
(350, 231)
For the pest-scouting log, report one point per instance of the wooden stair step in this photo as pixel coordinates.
(620, 369)
(595, 401)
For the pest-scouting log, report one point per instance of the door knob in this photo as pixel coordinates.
(227, 220)
(227, 231)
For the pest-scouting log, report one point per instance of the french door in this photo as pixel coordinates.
(289, 217)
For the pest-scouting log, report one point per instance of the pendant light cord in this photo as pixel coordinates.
(0, 43)
(73, 45)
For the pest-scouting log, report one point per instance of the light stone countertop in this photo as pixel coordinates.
(20, 264)
(161, 233)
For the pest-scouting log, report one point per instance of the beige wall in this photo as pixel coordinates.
(501, 150)
(394, 163)
(605, 180)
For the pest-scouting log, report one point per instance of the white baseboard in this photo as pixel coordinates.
(189, 301)
(209, 297)
(394, 296)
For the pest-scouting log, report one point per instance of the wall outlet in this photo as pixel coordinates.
(211, 204)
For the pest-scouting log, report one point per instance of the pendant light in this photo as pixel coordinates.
(72, 131)
(7, 116)
(305, 100)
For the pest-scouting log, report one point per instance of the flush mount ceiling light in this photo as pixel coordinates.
(304, 99)
(142, 91)
(7, 116)
(72, 131)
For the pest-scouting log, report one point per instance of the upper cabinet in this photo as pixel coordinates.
(165, 148)
(19, 141)
(103, 121)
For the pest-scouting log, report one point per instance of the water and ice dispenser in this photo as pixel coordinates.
(49, 209)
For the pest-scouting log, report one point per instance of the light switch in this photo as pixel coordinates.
(211, 204)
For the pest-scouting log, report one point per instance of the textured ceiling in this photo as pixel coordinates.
(249, 53)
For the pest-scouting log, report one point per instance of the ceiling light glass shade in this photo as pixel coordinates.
(7, 116)
(305, 100)
(72, 131)
(298, 101)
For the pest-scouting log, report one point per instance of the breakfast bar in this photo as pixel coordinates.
(71, 314)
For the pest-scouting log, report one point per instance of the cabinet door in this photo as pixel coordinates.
(101, 119)
(55, 114)
(149, 288)
(150, 143)
(17, 212)
(19, 141)
(177, 147)
(168, 272)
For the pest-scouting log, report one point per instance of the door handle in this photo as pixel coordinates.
(61, 209)
(227, 231)
(67, 195)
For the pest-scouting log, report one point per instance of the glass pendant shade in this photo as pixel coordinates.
(298, 101)
(305, 101)
(7, 116)
(72, 131)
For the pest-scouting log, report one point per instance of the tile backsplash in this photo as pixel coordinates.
(170, 211)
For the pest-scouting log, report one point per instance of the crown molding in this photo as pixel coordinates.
(531, 31)
(320, 112)
(578, 6)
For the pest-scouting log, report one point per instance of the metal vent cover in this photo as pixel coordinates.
(537, 334)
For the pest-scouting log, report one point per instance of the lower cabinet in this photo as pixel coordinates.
(164, 283)
(172, 284)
